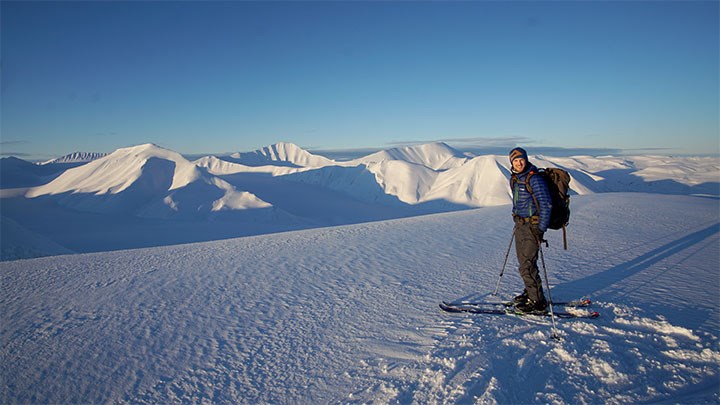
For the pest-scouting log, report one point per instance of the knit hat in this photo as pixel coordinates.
(518, 153)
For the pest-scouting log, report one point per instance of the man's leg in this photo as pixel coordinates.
(527, 248)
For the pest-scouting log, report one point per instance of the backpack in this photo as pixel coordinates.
(558, 183)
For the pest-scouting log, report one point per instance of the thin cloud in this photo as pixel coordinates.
(502, 144)
(647, 149)
(13, 143)
(508, 141)
(16, 154)
(490, 141)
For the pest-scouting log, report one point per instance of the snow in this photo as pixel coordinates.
(436, 156)
(283, 153)
(121, 169)
(283, 187)
(76, 157)
(282, 276)
(349, 314)
(147, 181)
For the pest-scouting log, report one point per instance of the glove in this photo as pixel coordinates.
(540, 236)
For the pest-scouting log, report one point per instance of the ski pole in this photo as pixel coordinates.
(547, 284)
(497, 287)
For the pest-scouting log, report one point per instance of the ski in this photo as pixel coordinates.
(574, 303)
(505, 310)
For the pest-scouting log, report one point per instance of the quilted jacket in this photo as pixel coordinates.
(523, 203)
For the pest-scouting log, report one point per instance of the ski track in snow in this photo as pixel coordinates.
(349, 314)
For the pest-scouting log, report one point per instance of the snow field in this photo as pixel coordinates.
(349, 314)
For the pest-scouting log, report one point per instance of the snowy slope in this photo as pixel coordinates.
(407, 181)
(19, 242)
(218, 166)
(280, 154)
(436, 156)
(654, 174)
(146, 180)
(19, 173)
(349, 314)
(123, 168)
(480, 182)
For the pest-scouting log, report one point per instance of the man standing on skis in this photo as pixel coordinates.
(531, 212)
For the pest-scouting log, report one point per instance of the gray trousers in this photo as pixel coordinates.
(527, 246)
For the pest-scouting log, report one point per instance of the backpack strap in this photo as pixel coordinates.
(527, 181)
(514, 179)
(529, 189)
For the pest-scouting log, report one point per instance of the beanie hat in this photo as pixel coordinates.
(518, 153)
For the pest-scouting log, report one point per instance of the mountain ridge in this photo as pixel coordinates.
(76, 157)
(281, 152)
(147, 180)
(437, 156)
(160, 195)
(412, 174)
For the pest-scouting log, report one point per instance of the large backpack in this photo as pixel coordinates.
(558, 183)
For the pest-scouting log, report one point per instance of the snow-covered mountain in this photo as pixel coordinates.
(432, 174)
(282, 187)
(651, 174)
(411, 175)
(15, 172)
(349, 315)
(280, 154)
(436, 156)
(19, 173)
(76, 157)
(223, 166)
(146, 180)
(480, 182)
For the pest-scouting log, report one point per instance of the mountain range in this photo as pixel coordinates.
(284, 187)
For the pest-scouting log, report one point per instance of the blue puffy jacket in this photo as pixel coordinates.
(523, 203)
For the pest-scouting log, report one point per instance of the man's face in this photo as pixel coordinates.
(519, 164)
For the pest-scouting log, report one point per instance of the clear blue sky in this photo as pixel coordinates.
(214, 77)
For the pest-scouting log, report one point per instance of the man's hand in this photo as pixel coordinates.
(540, 236)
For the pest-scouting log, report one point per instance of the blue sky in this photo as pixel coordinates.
(215, 77)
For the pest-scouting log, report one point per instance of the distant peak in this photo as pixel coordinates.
(144, 148)
(286, 146)
(430, 146)
(77, 157)
(282, 154)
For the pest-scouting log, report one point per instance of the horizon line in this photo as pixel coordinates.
(465, 145)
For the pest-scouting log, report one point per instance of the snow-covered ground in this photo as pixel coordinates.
(349, 314)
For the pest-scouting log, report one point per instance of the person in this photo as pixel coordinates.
(531, 214)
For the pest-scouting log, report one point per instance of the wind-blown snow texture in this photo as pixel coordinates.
(349, 314)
